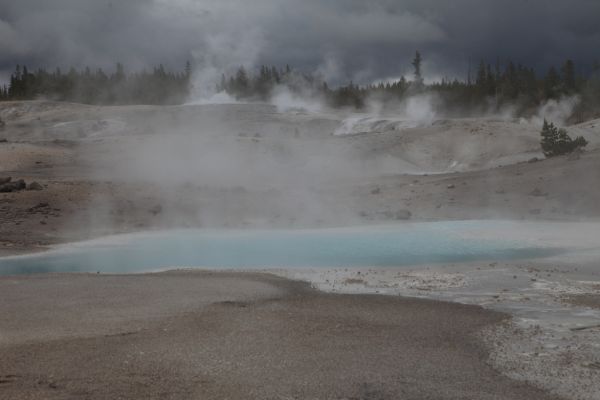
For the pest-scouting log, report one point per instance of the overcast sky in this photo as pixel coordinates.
(363, 40)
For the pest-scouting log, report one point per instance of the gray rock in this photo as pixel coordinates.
(399, 215)
(20, 184)
(386, 214)
(5, 180)
(537, 193)
(157, 209)
(39, 207)
(402, 215)
(34, 186)
(15, 186)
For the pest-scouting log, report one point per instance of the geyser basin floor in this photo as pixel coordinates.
(184, 321)
(376, 246)
(195, 335)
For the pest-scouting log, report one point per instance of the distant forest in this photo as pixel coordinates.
(490, 88)
(159, 86)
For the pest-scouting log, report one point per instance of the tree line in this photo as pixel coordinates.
(158, 86)
(489, 89)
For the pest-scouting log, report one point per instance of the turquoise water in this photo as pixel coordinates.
(389, 246)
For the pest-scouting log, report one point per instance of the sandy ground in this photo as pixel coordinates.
(237, 336)
(553, 339)
(112, 170)
(585, 300)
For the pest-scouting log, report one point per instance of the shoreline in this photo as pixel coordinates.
(530, 347)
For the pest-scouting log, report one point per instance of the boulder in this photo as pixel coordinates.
(34, 186)
(157, 209)
(399, 215)
(38, 208)
(402, 215)
(537, 193)
(5, 180)
(20, 184)
(15, 186)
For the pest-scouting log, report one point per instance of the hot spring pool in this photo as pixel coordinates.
(378, 246)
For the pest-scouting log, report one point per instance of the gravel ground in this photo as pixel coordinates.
(237, 336)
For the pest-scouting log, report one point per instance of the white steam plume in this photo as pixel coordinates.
(223, 54)
(556, 111)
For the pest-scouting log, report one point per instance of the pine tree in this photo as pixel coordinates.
(549, 138)
(188, 70)
(120, 74)
(551, 84)
(417, 64)
(569, 80)
(481, 82)
(222, 87)
(556, 142)
(563, 141)
(241, 83)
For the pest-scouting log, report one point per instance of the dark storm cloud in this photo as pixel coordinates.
(351, 39)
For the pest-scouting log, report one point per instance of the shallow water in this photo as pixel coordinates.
(379, 246)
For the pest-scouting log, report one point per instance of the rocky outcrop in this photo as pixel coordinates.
(35, 186)
(10, 186)
(7, 185)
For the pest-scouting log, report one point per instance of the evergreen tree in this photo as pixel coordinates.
(120, 74)
(551, 84)
(556, 142)
(417, 64)
(188, 69)
(223, 85)
(549, 139)
(514, 84)
(241, 83)
(569, 80)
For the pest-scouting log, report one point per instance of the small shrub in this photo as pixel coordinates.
(556, 142)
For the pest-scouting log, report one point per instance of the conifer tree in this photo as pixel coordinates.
(417, 64)
(556, 142)
(568, 72)
(549, 138)
(551, 84)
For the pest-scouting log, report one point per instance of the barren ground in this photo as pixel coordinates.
(107, 170)
(186, 335)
